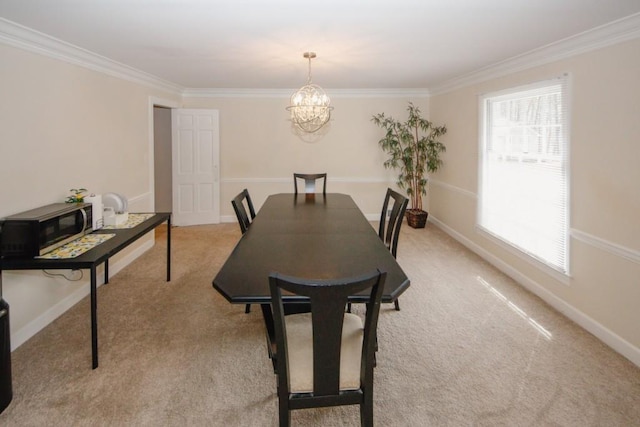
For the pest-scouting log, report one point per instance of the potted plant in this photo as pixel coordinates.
(77, 195)
(414, 150)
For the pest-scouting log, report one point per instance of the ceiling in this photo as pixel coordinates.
(361, 44)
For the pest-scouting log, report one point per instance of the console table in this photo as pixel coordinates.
(93, 258)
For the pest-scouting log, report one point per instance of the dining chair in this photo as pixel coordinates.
(325, 357)
(238, 204)
(244, 219)
(391, 219)
(310, 182)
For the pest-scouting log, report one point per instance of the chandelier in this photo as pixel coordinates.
(310, 109)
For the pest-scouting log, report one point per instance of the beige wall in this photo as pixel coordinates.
(603, 292)
(260, 152)
(63, 127)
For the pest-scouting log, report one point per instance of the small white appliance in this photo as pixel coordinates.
(115, 209)
(96, 210)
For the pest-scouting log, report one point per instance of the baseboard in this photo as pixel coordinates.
(607, 336)
(22, 335)
(228, 218)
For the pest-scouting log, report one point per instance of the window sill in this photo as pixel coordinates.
(564, 278)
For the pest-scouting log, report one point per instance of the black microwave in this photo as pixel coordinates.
(41, 230)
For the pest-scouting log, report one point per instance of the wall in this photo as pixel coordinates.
(64, 126)
(603, 291)
(260, 152)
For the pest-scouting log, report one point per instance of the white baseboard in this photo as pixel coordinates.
(607, 336)
(228, 218)
(20, 336)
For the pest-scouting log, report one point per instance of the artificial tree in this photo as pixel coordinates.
(414, 150)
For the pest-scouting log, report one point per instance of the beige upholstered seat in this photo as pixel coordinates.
(325, 357)
(300, 352)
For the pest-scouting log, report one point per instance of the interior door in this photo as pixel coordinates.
(196, 166)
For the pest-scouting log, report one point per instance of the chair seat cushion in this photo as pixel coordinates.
(300, 352)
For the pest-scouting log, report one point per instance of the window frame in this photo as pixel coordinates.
(561, 274)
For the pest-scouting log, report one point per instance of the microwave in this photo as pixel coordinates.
(41, 230)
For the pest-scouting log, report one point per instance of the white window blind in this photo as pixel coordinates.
(524, 170)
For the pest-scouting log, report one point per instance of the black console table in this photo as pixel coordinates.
(93, 258)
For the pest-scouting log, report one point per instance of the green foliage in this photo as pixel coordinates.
(413, 149)
(77, 195)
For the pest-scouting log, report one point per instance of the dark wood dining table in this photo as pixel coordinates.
(312, 236)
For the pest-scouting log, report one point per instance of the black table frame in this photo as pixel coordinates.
(92, 259)
(310, 236)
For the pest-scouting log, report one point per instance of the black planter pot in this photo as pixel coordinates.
(416, 218)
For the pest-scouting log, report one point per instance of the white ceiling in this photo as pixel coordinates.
(361, 44)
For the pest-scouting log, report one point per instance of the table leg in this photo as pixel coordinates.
(94, 319)
(169, 249)
(106, 271)
(267, 315)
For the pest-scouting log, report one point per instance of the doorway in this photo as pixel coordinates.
(162, 165)
(184, 151)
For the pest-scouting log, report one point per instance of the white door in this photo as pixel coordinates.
(196, 166)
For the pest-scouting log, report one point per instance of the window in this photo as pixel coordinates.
(524, 170)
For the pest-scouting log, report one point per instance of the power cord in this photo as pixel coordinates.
(71, 279)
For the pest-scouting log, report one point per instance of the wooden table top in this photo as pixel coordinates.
(308, 236)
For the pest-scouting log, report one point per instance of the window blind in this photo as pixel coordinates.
(524, 170)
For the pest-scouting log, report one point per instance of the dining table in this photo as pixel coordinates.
(311, 236)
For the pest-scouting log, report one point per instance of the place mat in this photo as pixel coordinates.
(77, 247)
(132, 220)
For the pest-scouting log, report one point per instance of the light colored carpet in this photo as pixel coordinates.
(469, 347)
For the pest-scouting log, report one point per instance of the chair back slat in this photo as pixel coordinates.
(239, 202)
(389, 228)
(310, 182)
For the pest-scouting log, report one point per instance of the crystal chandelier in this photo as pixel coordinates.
(310, 109)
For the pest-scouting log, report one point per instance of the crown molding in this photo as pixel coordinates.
(619, 31)
(379, 93)
(286, 93)
(24, 38)
(19, 36)
(235, 93)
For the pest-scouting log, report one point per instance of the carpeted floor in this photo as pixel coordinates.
(469, 347)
